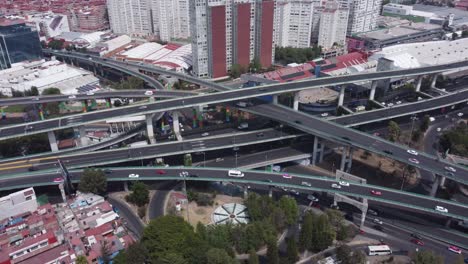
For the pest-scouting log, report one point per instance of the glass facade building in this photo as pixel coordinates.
(18, 43)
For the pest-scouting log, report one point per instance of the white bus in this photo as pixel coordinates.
(379, 250)
(235, 173)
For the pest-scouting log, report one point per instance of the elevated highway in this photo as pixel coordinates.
(80, 160)
(389, 196)
(96, 95)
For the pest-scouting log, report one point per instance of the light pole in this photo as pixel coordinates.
(141, 158)
(413, 118)
(204, 160)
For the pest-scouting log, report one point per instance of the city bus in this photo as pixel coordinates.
(379, 250)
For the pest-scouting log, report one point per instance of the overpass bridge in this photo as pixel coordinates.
(321, 184)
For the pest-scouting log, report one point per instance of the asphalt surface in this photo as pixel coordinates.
(334, 132)
(137, 153)
(403, 109)
(399, 198)
(97, 95)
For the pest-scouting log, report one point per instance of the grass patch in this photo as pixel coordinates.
(14, 109)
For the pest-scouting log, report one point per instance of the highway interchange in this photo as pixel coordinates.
(293, 118)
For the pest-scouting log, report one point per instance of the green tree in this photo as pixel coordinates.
(464, 34)
(55, 44)
(188, 160)
(51, 91)
(136, 253)
(305, 236)
(454, 36)
(236, 71)
(218, 256)
(140, 194)
(427, 257)
(253, 258)
(93, 181)
(335, 217)
(416, 136)
(290, 209)
(323, 233)
(172, 258)
(342, 253)
(52, 108)
(460, 260)
(171, 235)
(272, 255)
(291, 249)
(342, 232)
(81, 260)
(425, 123)
(358, 257)
(255, 65)
(393, 131)
(34, 91)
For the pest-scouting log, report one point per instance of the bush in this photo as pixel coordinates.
(142, 211)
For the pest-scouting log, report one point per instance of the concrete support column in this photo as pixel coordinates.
(151, 99)
(62, 192)
(346, 159)
(372, 92)
(296, 101)
(321, 151)
(176, 126)
(435, 186)
(418, 83)
(314, 151)
(270, 192)
(341, 98)
(275, 99)
(126, 186)
(350, 160)
(83, 138)
(149, 129)
(52, 141)
(442, 181)
(434, 80)
(363, 218)
(246, 192)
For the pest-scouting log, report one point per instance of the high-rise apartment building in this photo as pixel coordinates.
(227, 32)
(363, 15)
(18, 43)
(294, 23)
(171, 19)
(333, 26)
(130, 17)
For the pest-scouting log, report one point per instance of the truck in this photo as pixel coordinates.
(243, 126)
(241, 104)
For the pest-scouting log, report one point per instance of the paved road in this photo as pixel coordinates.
(103, 157)
(96, 95)
(403, 109)
(401, 199)
(337, 133)
(133, 222)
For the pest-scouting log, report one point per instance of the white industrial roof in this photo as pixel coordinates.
(425, 53)
(118, 42)
(69, 86)
(91, 38)
(143, 50)
(181, 56)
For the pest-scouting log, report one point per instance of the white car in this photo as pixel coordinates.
(441, 209)
(439, 129)
(448, 168)
(390, 104)
(312, 198)
(72, 97)
(412, 152)
(398, 102)
(431, 119)
(413, 160)
(35, 99)
(90, 93)
(205, 134)
(133, 175)
(324, 115)
(184, 174)
(142, 107)
(149, 93)
(343, 183)
(336, 186)
(460, 114)
(377, 221)
(304, 183)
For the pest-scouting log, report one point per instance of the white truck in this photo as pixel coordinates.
(243, 126)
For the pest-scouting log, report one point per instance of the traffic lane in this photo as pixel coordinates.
(375, 144)
(403, 198)
(248, 92)
(97, 95)
(398, 110)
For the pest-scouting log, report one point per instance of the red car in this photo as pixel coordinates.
(287, 176)
(58, 180)
(454, 249)
(161, 172)
(417, 242)
(361, 231)
(376, 193)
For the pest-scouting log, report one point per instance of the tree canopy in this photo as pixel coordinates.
(393, 131)
(93, 181)
(427, 257)
(286, 55)
(140, 194)
(456, 140)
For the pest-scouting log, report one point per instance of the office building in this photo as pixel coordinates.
(48, 24)
(294, 23)
(18, 43)
(228, 32)
(333, 26)
(363, 15)
(131, 17)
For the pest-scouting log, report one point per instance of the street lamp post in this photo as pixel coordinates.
(141, 158)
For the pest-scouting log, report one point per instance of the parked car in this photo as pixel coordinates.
(133, 175)
(441, 209)
(336, 186)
